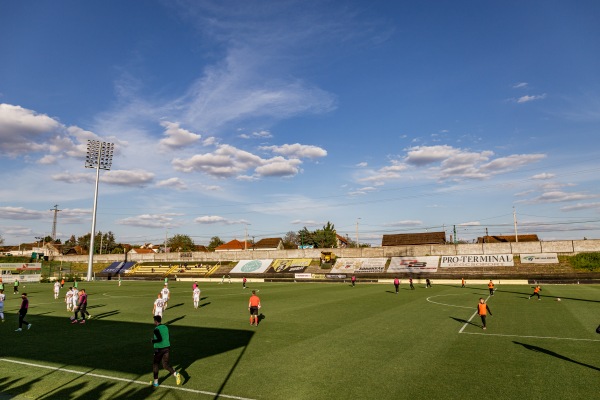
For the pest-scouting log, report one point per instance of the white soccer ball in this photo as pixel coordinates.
(558, 299)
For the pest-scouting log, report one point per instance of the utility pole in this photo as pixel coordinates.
(357, 242)
(515, 221)
(455, 240)
(245, 237)
(166, 234)
(56, 210)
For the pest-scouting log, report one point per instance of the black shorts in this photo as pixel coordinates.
(253, 310)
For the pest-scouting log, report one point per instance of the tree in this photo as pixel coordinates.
(1, 240)
(215, 242)
(326, 237)
(291, 240)
(181, 243)
(305, 237)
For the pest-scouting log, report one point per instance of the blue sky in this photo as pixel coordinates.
(266, 117)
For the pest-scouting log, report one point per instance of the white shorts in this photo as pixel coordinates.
(158, 311)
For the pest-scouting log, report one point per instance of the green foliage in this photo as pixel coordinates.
(587, 261)
(215, 242)
(324, 238)
(181, 242)
(291, 240)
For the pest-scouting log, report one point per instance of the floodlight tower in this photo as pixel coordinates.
(56, 210)
(99, 155)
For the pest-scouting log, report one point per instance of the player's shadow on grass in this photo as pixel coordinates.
(106, 314)
(203, 298)
(204, 305)
(96, 306)
(125, 341)
(464, 321)
(174, 320)
(176, 305)
(553, 354)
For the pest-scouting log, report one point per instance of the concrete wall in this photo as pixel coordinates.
(567, 247)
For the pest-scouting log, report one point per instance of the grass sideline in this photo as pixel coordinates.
(318, 341)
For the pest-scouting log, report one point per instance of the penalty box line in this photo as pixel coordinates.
(114, 378)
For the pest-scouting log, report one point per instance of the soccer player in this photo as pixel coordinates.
(119, 280)
(159, 305)
(166, 295)
(491, 287)
(397, 284)
(462, 283)
(16, 287)
(244, 282)
(81, 308)
(56, 289)
(412, 287)
(69, 299)
(162, 348)
(2, 298)
(353, 280)
(222, 280)
(427, 283)
(62, 283)
(536, 292)
(482, 310)
(23, 312)
(74, 298)
(253, 307)
(196, 296)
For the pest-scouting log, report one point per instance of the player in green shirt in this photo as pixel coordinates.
(162, 347)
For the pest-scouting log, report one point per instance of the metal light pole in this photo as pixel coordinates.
(99, 156)
(357, 243)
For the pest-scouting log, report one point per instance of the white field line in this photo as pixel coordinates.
(70, 371)
(472, 316)
(532, 337)
(444, 304)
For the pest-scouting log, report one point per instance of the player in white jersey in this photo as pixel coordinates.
(69, 299)
(2, 298)
(159, 305)
(74, 298)
(196, 296)
(166, 295)
(56, 289)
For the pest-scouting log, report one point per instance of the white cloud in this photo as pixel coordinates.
(152, 221)
(307, 223)
(174, 183)
(215, 219)
(79, 177)
(20, 213)
(520, 85)
(527, 98)
(228, 161)
(543, 176)
(264, 134)
(297, 150)
(47, 160)
(279, 166)
(582, 206)
(177, 137)
(405, 223)
(423, 155)
(362, 191)
(22, 130)
(362, 164)
(560, 196)
(127, 178)
(472, 223)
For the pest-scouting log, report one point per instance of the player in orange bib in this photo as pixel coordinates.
(536, 292)
(482, 310)
(462, 283)
(253, 307)
(491, 287)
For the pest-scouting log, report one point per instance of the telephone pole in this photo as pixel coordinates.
(56, 210)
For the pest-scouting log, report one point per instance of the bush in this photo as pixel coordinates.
(587, 261)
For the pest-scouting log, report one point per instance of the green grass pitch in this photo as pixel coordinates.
(317, 341)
